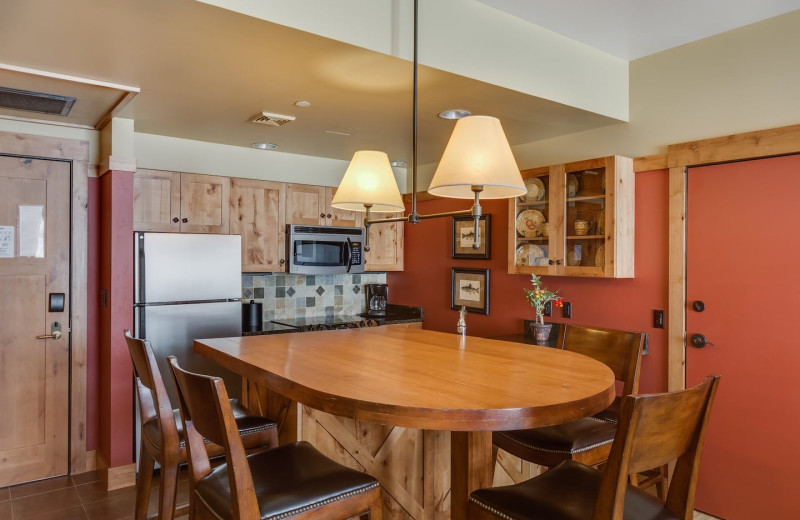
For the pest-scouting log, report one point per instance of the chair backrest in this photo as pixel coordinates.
(206, 412)
(620, 350)
(652, 431)
(153, 398)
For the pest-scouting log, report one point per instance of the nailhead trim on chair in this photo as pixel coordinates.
(308, 507)
(560, 452)
(248, 431)
(490, 509)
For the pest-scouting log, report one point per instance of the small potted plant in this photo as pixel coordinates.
(538, 298)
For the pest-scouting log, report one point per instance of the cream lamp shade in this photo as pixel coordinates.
(369, 180)
(478, 154)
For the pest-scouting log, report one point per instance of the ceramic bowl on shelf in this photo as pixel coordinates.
(544, 229)
(582, 227)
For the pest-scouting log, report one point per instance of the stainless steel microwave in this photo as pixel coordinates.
(325, 249)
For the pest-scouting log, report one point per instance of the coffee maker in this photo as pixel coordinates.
(377, 295)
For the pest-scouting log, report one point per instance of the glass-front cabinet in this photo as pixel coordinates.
(577, 219)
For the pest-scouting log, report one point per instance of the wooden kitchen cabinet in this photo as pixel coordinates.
(386, 246)
(257, 210)
(156, 201)
(311, 206)
(180, 202)
(577, 219)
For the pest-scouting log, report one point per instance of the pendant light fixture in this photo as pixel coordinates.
(476, 162)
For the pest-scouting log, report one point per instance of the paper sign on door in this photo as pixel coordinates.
(31, 231)
(6, 241)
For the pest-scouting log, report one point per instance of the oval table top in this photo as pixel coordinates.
(419, 378)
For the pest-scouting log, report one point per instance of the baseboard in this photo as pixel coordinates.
(118, 476)
(91, 460)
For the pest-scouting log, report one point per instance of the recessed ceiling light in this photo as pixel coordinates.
(265, 146)
(303, 103)
(397, 164)
(456, 113)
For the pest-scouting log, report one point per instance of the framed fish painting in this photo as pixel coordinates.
(464, 238)
(470, 288)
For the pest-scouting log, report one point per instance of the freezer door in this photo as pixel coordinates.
(181, 267)
(172, 330)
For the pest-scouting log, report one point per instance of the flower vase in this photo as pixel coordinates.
(541, 333)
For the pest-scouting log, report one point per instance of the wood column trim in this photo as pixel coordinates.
(676, 321)
(120, 164)
(736, 147)
(465, 450)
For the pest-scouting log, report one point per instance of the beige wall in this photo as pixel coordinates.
(464, 37)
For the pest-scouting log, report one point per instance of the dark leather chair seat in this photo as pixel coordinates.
(567, 492)
(550, 445)
(288, 480)
(248, 424)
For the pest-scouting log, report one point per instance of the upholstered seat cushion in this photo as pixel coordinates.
(288, 480)
(249, 425)
(567, 492)
(610, 414)
(550, 445)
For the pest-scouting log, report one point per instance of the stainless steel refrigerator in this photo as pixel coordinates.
(187, 286)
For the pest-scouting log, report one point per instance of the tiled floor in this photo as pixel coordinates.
(80, 497)
(83, 497)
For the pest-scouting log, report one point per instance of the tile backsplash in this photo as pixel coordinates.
(286, 296)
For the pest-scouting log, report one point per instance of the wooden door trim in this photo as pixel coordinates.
(737, 147)
(77, 154)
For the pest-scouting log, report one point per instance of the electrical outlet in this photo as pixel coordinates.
(658, 319)
(548, 309)
(566, 310)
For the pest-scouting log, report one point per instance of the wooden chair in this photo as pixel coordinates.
(586, 440)
(652, 431)
(294, 480)
(162, 434)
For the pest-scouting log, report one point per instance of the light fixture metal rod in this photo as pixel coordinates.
(414, 216)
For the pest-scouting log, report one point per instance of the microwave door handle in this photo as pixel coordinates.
(349, 261)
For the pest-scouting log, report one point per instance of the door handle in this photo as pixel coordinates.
(700, 341)
(55, 335)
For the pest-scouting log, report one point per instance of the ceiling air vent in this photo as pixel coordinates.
(265, 118)
(35, 102)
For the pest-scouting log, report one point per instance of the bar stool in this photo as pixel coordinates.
(652, 431)
(162, 433)
(294, 480)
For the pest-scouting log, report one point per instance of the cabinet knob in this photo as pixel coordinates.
(558, 262)
(282, 261)
(176, 219)
(550, 261)
(322, 215)
(328, 215)
(185, 220)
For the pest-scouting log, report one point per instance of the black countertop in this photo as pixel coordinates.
(394, 314)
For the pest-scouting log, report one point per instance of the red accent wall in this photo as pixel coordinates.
(616, 303)
(115, 413)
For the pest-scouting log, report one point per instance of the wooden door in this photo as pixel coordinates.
(205, 203)
(340, 217)
(385, 246)
(305, 205)
(742, 253)
(156, 201)
(34, 373)
(258, 214)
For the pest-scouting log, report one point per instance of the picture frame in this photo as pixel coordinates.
(470, 288)
(463, 238)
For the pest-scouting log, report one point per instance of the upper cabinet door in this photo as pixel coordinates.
(385, 246)
(205, 201)
(156, 201)
(305, 205)
(340, 217)
(258, 214)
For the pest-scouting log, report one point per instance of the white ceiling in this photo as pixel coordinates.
(202, 72)
(631, 29)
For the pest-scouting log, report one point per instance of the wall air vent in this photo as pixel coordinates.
(35, 102)
(265, 118)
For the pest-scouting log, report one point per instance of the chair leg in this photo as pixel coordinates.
(144, 481)
(167, 491)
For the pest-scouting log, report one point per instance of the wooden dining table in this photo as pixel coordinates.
(416, 385)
